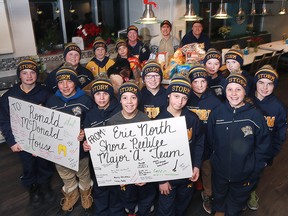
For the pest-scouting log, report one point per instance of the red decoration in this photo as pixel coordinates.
(88, 32)
(152, 3)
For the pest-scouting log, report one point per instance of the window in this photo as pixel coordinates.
(55, 22)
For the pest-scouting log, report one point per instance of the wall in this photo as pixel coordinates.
(277, 24)
(21, 29)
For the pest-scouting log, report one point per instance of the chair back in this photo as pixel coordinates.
(275, 59)
(257, 62)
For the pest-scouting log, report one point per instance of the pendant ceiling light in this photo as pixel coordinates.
(283, 8)
(240, 16)
(190, 14)
(264, 9)
(71, 9)
(39, 12)
(253, 10)
(221, 12)
(148, 16)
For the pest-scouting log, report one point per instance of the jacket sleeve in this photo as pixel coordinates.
(198, 146)
(5, 125)
(263, 144)
(279, 133)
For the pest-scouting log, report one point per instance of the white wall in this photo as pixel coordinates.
(277, 24)
(21, 28)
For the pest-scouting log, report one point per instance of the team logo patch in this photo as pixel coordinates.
(218, 91)
(202, 113)
(247, 130)
(152, 112)
(270, 120)
(77, 111)
(189, 133)
(82, 80)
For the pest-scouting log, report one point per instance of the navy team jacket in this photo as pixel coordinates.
(240, 141)
(275, 114)
(195, 136)
(38, 95)
(77, 105)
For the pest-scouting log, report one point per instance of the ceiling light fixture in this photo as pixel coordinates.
(283, 8)
(253, 10)
(39, 12)
(221, 12)
(71, 9)
(190, 14)
(148, 16)
(265, 11)
(240, 16)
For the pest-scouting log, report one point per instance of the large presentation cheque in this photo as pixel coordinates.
(46, 133)
(149, 151)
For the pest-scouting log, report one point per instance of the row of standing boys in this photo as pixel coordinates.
(234, 131)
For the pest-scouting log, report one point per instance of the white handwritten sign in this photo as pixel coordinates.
(140, 152)
(47, 133)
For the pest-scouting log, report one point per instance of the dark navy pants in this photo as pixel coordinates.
(231, 197)
(141, 196)
(177, 202)
(36, 170)
(108, 200)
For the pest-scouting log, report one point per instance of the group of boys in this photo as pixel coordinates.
(194, 95)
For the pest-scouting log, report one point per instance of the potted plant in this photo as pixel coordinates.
(255, 42)
(224, 31)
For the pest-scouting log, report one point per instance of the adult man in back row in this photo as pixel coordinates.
(164, 42)
(196, 35)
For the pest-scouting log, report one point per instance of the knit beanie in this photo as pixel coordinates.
(27, 64)
(179, 83)
(129, 86)
(132, 27)
(102, 84)
(120, 42)
(152, 66)
(235, 55)
(99, 42)
(66, 72)
(197, 72)
(71, 47)
(236, 78)
(213, 54)
(266, 72)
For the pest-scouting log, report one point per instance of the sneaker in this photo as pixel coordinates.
(253, 201)
(207, 202)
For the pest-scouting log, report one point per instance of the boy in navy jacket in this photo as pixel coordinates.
(240, 141)
(153, 93)
(212, 62)
(175, 196)
(72, 100)
(72, 55)
(202, 101)
(106, 105)
(275, 113)
(37, 171)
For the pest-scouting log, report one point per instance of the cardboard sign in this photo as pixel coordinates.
(47, 133)
(149, 151)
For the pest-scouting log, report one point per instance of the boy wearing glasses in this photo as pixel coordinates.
(154, 95)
